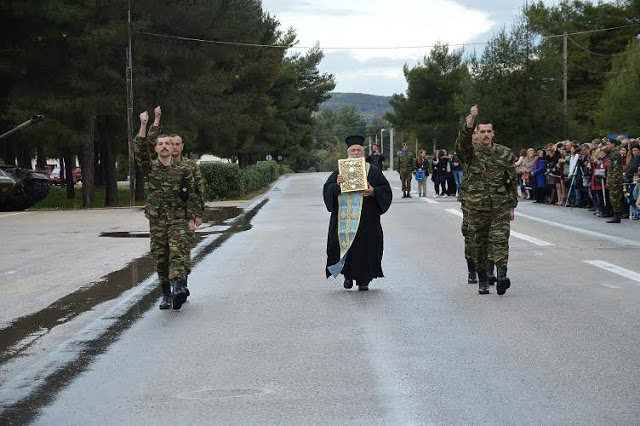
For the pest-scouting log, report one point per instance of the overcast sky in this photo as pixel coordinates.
(383, 23)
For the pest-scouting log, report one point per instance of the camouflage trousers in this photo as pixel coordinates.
(490, 231)
(615, 196)
(405, 178)
(466, 233)
(171, 248)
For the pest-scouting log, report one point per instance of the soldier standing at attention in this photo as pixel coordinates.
(491, 198)
(614, 179)
(171, 209)
(406, 166)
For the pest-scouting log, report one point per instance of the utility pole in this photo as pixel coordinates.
(391, 149)
(565, 73)
(382, 141)
(129, 82)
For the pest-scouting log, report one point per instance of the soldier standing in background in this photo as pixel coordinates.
(176, 154)
(171, 209)
(491, 198)
(406, 166)
(614, 179)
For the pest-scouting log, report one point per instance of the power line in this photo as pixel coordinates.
(595, 53)
(428, 46)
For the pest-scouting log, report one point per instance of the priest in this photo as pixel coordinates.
(355, 240)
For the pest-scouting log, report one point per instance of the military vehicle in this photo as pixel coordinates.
(21, 188)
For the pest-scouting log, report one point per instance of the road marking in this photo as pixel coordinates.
(11, 214)
(524, 237)
(610, 286)
(610, 238)
(615, 269)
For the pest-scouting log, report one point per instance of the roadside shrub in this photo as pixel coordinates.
(223, 180)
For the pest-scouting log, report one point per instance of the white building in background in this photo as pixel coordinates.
(208, 158)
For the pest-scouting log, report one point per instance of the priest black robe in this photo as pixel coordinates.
(364, 258)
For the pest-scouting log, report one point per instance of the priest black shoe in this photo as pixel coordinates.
(347, 283)
(166, 302)
(503, 283)
(178, 294)
(363, 287)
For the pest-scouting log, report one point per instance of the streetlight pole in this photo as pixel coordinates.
(391, 149)
(382, 141)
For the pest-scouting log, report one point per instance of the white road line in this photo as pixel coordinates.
(11, 214)
(524, 237)
(615, 269)
(611, 286)
(610, 238)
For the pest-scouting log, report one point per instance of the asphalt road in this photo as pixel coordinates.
(266, 339)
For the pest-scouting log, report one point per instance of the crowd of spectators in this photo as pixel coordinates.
(574, 174)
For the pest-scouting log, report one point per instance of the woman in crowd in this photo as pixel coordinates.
(520, 170)
(526, 173)
(562, 171)
(538, 171)
(435, 177)
(422, 170)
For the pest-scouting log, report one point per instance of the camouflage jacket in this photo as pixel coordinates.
(406, 163)
(165, 183)
(614, 168)
(199, 182)
(490, 174)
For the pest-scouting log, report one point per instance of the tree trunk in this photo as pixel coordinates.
(88, 158)
(41, 157)
(109, 167)
(139, 185)
(69, 163)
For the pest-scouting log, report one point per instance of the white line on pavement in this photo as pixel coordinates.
(615, 269)
(524, 237)
(611, 286)
(610, 238)
(11, 214)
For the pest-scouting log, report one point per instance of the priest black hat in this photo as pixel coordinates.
(354, 140)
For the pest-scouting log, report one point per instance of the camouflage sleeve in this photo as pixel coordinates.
(513, 177)
(141, 154)
(199, 188)
(194, 208)
(154, 131)
(464, 146)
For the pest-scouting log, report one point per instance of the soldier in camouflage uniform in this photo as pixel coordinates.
(614, 180)
(406, 166)
(490, 197)
(171, 209)
(466, 231)
(176, 154)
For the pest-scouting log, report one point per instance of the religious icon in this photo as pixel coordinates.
(355, 174)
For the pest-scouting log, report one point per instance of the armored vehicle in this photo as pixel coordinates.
(21, 188)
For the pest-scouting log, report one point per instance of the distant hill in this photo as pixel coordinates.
(369, 106)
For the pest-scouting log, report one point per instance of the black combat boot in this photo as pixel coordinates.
(404, 194)
(483, 284)
(166, 303)
(178, 293)
(185, 286)
(490, 275)
(348, 283)
(408, 194)
(471, 267)
(503, 282)
(615, 218)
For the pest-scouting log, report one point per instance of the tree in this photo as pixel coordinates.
(619, 109)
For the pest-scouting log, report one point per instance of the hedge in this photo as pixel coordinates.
(225, 180)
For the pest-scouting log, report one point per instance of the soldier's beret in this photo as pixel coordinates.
(354, 140)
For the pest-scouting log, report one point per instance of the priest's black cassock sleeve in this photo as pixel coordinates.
(364, 259)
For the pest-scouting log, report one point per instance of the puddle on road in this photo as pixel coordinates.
(32, 327)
